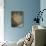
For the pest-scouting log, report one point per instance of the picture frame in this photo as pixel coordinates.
(17, 18)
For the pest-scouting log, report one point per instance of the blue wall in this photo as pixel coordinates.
(29, 7)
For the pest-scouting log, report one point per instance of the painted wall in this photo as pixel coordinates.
(29, 7)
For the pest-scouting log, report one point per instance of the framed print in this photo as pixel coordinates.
(17, 19)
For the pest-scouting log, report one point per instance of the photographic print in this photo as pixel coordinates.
(17, 18)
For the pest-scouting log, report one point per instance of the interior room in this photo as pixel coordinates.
(23, 23)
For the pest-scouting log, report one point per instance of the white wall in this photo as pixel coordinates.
(1, 21)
